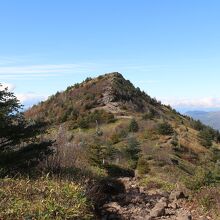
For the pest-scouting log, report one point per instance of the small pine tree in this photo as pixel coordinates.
(197, 125)
(217, 136)
(133, 126)
(13, 127)
(96, 154)
(165, 129)
(83, 123)
(149, 115)
(205, 137)
(100, 155)
(17, 133)
(132, 151)
(88, 79)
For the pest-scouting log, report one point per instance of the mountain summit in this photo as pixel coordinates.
(110, 92)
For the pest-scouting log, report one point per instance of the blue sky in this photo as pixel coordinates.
(170, 49)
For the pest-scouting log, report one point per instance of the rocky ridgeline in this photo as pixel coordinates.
(135, 203)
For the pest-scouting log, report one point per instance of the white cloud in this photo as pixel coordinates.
(38, 69)
(205, 102)
(15, 72)
(10, 86)
(29, 99)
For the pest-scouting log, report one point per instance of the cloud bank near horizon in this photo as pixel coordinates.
(193, 103)
(30, 99)
(27, 99)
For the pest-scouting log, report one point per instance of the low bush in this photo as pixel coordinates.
(208, 199)
(133, 126)
(83, 122)
(118, 171)
(92, 118)
(143, 166)
(202, 177)
(150, 115)
(197, 125)
(115, 138)
(132, 151)
(157, 183)
(165, 129)
(205, 137)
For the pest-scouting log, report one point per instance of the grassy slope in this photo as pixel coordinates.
(42, 199)
(157, 148)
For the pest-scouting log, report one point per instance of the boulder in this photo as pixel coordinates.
(159, 208)
(185, 217)
(112, 206)
(177, 194)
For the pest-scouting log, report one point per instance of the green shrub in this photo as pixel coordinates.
(208, 198)
(196, 124)
(175, 141)
(149, 115)
(100, 77)
(117, 171)
(115, 138)
(91, 118)
(87, 79)
(96, 154)
(76, 86)
(83, 122)
(143, 166)
(89, 105)
(123, 133)
(165, 129)
(153, 182)
(99, 155)
(133, 126)
(100, 116)
(205, 137)
(201, 177)
(207, 202)
(132, 151)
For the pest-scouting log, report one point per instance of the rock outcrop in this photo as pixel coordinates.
(136, 204)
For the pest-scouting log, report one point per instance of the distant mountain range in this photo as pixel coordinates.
(209, 118)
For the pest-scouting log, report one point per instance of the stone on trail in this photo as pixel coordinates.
(159, 208)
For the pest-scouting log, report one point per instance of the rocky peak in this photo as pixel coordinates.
(110, 92)
(114, 75)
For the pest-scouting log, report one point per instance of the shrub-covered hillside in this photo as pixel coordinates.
(114, 123)
(110, 92)
(106, 128)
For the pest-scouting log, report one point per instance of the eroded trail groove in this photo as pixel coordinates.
(135, 203)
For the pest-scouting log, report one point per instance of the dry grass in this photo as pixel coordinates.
(151, 182)
(42, 199)
(207, 201)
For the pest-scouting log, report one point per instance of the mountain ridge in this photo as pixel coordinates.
(108, 128)
(109, 92)
(209, 118)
